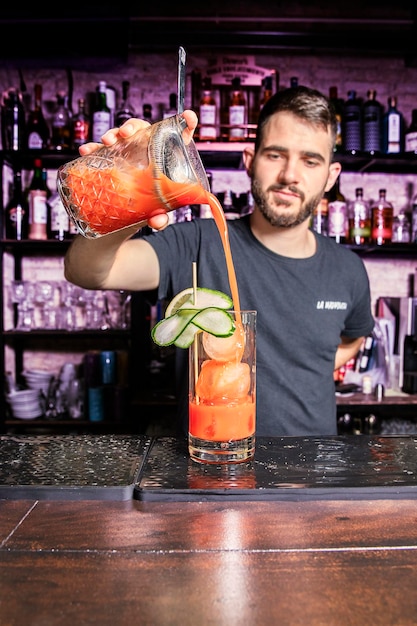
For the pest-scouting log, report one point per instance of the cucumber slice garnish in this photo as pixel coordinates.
(212, 320)
(180, 328)
(183, 319)
(166, 331)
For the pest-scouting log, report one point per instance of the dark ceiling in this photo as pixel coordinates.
(81, 31)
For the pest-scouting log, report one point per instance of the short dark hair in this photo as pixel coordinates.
(306, 103)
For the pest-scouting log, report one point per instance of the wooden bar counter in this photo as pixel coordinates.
(313, 561)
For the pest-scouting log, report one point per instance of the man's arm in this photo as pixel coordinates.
(112, 262)
(347, 349)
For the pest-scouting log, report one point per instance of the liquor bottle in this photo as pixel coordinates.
(338, 109)
(320, 222)
(126, 109)
(410, 140)
(294, 81)
(352, 123)
(102, 115)
(372, 124)
(111, 98)
(208, 113)
(147, 113)
(80, 126)
(45, 182)
(183, 214)
(393, 129)
(382, 215)
(38, 203)
(17, 211)
(366, 356)
(231, 212)
(359, 219)
(13, 121)
(172, 107)
(337, 214)
(239, 202)
(414, 219)
(37, 128)
(59, 222)
(266, 91)
(238, 112)
(61, 124)
(275, 76)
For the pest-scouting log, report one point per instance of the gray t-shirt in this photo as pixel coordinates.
(304, 306)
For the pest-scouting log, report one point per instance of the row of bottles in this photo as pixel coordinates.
(230, 114)
(68, 130)
(365, 126)
(65, 129)
(360, 222)
(226, 113)
(21, 130)
(36, 213)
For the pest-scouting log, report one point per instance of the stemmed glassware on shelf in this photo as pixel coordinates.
(90, 313)
(23, 296)
(101, 313)
(39, 307)
(119, 308)
(44, 298)
(95, 309)
(125, 298)
(67, 318)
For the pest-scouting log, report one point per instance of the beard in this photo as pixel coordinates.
(286, 219)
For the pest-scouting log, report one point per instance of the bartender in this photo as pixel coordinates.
(311, 293)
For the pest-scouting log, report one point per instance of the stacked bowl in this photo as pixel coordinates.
(26, 404)
(38, 379)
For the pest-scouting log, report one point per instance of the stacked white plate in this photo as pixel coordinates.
(26, 404)
(38, 379)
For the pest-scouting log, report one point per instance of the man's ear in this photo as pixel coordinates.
(248, 156)
(334, 172)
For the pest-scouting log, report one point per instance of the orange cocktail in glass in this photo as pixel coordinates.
(222, 394)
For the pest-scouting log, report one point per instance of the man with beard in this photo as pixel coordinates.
(312, 294)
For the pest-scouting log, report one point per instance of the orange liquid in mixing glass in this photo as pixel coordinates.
(111, 198)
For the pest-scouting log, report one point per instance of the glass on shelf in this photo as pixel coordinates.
(45, 299)
(401, 228)
(23, 295)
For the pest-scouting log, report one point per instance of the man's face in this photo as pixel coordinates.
(290, 171)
